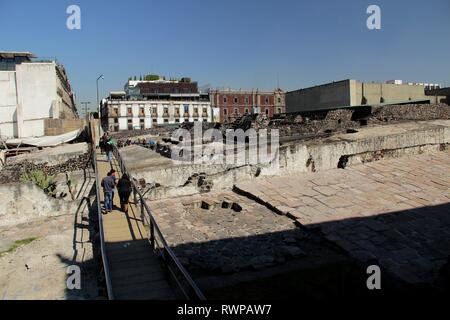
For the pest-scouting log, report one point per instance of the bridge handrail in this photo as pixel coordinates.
(101, 231)
(166, 252)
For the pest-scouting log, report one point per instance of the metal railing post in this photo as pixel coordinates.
(152, 235)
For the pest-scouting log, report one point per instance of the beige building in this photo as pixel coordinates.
(348, 93)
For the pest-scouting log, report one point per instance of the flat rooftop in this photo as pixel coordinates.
(12, 54)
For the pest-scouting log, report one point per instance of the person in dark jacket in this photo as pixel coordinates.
(124, 188)
(109, 150)
(103, 140)
(108, 184)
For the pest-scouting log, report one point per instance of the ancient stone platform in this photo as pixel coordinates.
(225, 232)
(395, 212)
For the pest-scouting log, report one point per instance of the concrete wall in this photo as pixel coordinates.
(8, 104)
(55, 127)
(391, 93)
(25, 202)
(36, 87)
(30, 95)
(351, 92)
(331, 95)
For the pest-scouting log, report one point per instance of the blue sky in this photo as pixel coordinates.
(234, 43)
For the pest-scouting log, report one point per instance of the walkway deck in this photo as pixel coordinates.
(135, 270)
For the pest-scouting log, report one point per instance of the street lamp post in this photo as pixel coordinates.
(98, 106)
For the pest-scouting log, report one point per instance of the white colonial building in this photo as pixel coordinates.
(146, 107)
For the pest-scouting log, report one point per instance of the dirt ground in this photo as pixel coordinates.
(38, 270)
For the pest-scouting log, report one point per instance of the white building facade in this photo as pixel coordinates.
(31, 92)
(122, 114)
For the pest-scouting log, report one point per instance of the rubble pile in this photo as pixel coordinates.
(410, 112)
(261, 122)
(334, 120)
(12, 172)
(341, 116)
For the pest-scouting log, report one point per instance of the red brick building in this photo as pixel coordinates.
(234, 104)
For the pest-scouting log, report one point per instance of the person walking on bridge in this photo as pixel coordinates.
(108, 185)
(103, 140)
(124, 188)
(109, 146)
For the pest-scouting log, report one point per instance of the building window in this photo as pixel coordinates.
(166, 120)
(115, 112)
(129, 111)
(195, 112)
(130, 124)
(279, 110)
(246, 110)
(116, 121)
(155, 111)
(235, 100)
(267, 100)
(141, 112)
(267, 111)
(246, 100)
(279, 100)
(224, 99)
(177, 120)
(177, 112)
(154, 120)
(236, 112)
(225, 112)
(166, 111)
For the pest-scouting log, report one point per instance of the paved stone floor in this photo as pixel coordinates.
(225, 232)
(395, 211)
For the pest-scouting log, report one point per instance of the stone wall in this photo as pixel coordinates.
(52, 161)
(167, 179)
(325, 154)
(25, 202)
